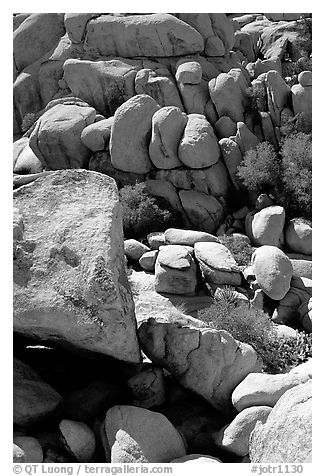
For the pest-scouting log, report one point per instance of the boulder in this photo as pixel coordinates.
(101, 162)
(130, 134)
(56, 138)
(24, 159)
(264, 66)
(31, 447)
(277, 38)
(75, 25)
(305, 78)
(298, 236)
(263, 389)
(304, 369)
(245, 139)
(156, 239)
(203, 211)
(196, 100)
(168, 125)
(234, 437)
(266, 226)
(35, 36)
(79, 439)
(148, 260)
(301, 99)
(268, 129)
(175, 270)
(155, 35)
(160, 86)
(189, 72)
(176, 236)
(138, 435)
(287, 311)
(34, 399)
(227, 92)
(273, 271)
(96, 136)
(232, 157)
(69, 288)
(198, 147)
(148, 388)
(105, 85)
(286, 436)
(278, 95)
(302, 268)
(167, 191)
(210, 363)
(225, 127)
(217, 264)
(133, 249)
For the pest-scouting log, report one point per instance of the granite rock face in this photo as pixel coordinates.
(70, 284)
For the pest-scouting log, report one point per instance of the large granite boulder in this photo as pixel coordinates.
(157, 35)
(34, 399)
(298, 236)
(176, 236)
(198, 147)
(69, 277)
(56, 138)
(130, 134)
(138, 435)
(266, 226)
(105, 85)
(160, 85)
(210, 363)
(286, 436)
(273, 271)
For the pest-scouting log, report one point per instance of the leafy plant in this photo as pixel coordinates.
(254, 327)
(143, 214)
(240, 249)
(257, 97)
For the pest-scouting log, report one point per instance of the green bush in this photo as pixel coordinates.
(287, 175)
(143, 213)
(254, 327)
(260, 170)
(240, 249)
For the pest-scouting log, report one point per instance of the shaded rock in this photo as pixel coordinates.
(165, 190)
(75, 25)
(65, 280)
(302, 268)
(156, 239)
(148, 387)
(159, 34)
(225, 127)
(196, 100)
(175, 236)
(273, 271)
(277, 38)
(263, 389)
(264, 66)
(189, 73)
(244, 44)
(203, 211)
(160, 86)
(199, 146)
(217, 264)
(105, 85)
(278, 95)
(263, 201)
(148, 260)
(301, 99)
(96, 136)
(24, 159)
(56, 139)
(305, 313)
(130, 134)
(227, 92)
(298, 236)
(175, 270)
(245, 139)
(210, 363)
(79, 439)
(212, 180)
(232, 157)
(31, 448)
(266, 226)
(235, 436)
(305, 78)
(168, 125)
(134, 249)
(34, 400)
(35, 36)
(286, 437)
(283, 16)
(268, 130)
(196, 458)
(137, 435)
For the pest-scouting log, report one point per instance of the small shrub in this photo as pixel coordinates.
(240, 249)
(257, 97)
(142, 213)
(254, 327)
(260, 169)
(296, 177)
(301, 122)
